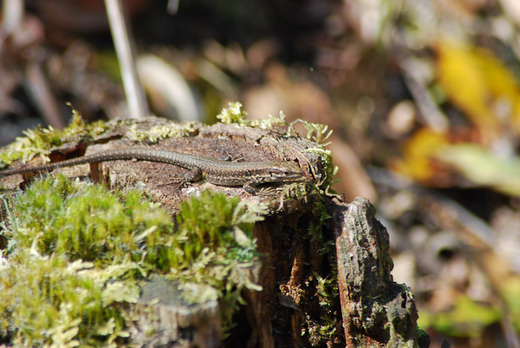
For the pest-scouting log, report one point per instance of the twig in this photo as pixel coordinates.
(137, 106)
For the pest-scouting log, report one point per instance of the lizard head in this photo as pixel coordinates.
(285, 171)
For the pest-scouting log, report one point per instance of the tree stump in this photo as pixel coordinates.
(325, 268)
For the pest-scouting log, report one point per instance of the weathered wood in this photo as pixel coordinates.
(163, 319)
(377, 312)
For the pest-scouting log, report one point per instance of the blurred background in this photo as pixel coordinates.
(423, 97)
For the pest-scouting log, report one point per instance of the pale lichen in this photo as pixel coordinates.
(156, 133)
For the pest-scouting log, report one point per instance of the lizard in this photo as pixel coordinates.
(217, 172)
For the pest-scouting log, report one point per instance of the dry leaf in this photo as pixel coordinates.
(417, 155)
(481, 86)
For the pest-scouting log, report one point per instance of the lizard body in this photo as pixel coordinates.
(223, 173)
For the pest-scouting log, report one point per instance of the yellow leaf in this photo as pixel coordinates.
(417, 155)
(480, 85)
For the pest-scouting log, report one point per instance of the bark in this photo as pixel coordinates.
(376, 311)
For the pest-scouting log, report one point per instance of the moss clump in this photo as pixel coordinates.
(233, 114)
(78, 252)
(221, 251)
(46, 300)
(39, 141)
(86, 222)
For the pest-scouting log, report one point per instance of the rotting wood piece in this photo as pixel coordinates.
(377, 312)
(164, 320)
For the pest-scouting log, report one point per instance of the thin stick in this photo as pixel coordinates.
(137, 106)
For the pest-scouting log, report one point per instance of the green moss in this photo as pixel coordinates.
(317, 226)
(48, 301)
(84, 221)
(79, 252)
(327, 328)
(270, 122)
(39, 141)
(220, 252)
(233, 114)
(324, 327)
